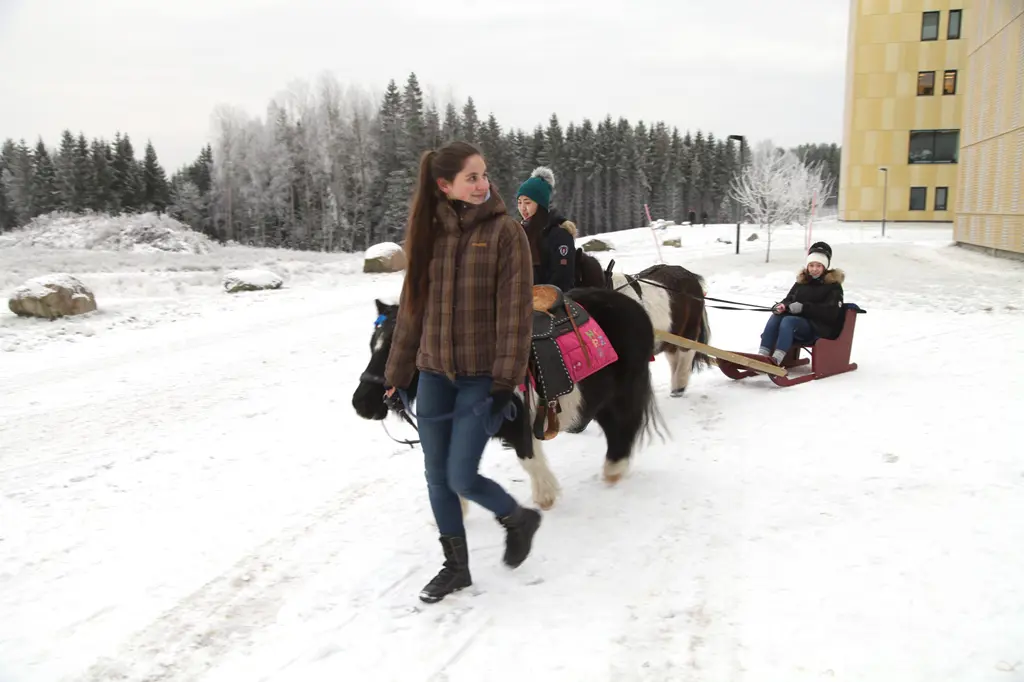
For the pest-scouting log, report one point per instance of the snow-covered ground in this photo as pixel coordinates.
(194, 498)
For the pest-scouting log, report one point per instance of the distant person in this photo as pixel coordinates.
(465, 321)
(692, 217)
(552, 238)
(812, 309)
(704, 218)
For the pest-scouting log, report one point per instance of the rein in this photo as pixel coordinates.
(377, 379)
(634, 283)
(493, 422)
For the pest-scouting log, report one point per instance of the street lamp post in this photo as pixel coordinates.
(885, 196)
(739, 213)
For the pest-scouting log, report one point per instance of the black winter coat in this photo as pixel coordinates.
(822, 301)
(556, 245)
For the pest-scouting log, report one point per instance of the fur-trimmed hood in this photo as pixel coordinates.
(833, 276)
(569, 226)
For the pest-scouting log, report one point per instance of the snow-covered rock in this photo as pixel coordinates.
(678, 243)
(384, 257)
(595, 244)
(101, 232)
(52, 296)
(251, 280)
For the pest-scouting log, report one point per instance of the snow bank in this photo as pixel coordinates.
(145, 232)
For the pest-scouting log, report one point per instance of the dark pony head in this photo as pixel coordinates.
(368, 399)
(588, 271)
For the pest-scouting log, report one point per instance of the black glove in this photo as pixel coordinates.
(501, 400)
(393, 401)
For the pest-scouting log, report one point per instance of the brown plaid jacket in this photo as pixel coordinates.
(479, 309)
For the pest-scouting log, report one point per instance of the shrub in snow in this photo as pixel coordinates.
(384, 257)
(753, 237)
(596, 245)
(102, 232)
(251, 280)
(673, 242)
(52, 296)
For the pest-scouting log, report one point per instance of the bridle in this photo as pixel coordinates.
(371, 378)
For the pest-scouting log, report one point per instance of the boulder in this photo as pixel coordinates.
(596, 245)
(753, 237)
(251, 280)
(678, 243)
(52, 296)
(384, 257)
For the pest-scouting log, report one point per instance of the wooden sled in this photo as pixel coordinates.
(828, 357)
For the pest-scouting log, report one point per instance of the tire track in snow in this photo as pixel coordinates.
(188, 640)
(674, 626)
(63, 408)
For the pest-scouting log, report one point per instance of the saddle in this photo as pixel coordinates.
(555, 314)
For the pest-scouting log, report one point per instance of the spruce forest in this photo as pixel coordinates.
(329, 169)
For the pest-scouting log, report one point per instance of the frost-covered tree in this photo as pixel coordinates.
(773, 189)
(18, 177)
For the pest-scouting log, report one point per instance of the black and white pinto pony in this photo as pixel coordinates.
(618, 396)
(674, 300)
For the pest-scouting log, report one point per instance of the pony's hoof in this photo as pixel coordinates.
(678, 392)
(614, 471)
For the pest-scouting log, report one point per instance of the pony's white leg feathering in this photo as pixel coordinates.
(543, 484)
(614, 471)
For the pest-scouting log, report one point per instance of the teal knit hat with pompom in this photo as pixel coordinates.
(539, 186)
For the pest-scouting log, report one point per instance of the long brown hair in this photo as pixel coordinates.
(440, 164)
(534, 229)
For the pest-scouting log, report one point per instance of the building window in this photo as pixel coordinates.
(925, 83)
(949, 83)
(934, 146)
(930, 26)
(918, 198)
(953, 31)
(941, 195)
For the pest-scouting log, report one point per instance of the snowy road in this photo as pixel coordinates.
(199, 502)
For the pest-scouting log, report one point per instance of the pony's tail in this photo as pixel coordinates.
(652, 422)
(702, 360)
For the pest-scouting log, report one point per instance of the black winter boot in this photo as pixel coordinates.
(455, 574)
(521, 525)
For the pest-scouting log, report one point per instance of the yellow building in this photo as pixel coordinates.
(935, 97)
(904, 99)
(990, 200)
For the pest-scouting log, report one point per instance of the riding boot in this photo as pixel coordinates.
(521, 525)
(454, 576)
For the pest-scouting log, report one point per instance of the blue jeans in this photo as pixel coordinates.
(782, 332)
(452, 449)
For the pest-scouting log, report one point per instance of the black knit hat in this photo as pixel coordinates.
(820, 252)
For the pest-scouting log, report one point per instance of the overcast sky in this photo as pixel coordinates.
(158, 68)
